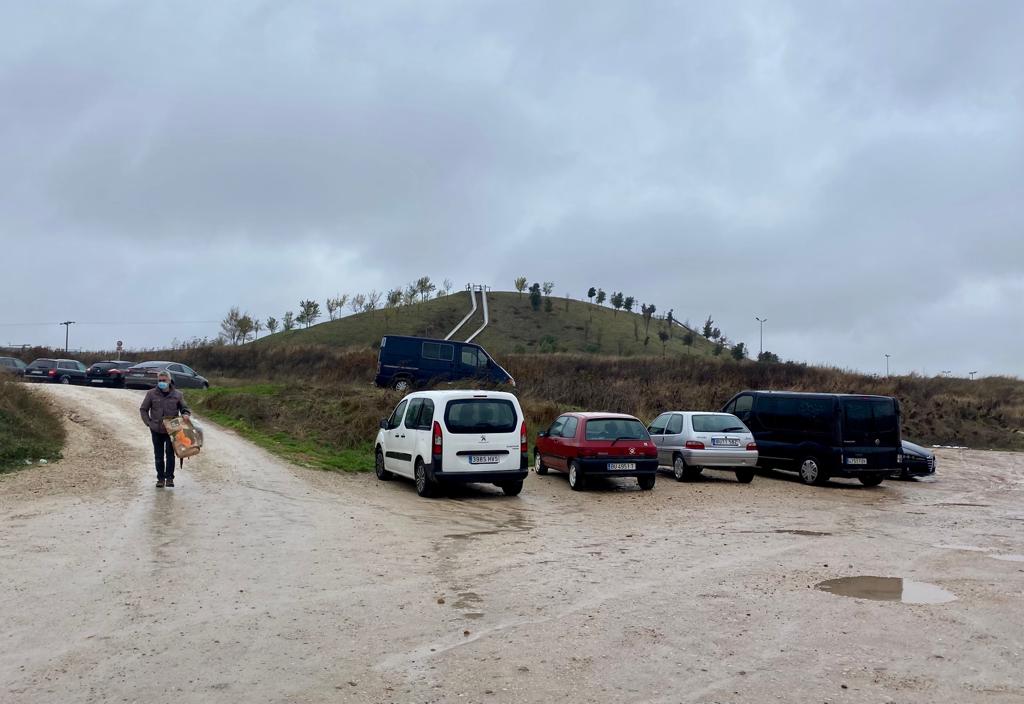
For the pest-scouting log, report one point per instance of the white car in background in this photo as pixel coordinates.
(454, 437)
(691, 441)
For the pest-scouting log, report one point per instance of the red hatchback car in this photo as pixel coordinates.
(597, 444)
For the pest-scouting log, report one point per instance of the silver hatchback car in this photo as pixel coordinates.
(691, 441)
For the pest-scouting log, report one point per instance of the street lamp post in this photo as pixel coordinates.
(887, 364)
(972, 375)
(762, 321)
(67, 327)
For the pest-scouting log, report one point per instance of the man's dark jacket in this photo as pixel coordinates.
(162, 404)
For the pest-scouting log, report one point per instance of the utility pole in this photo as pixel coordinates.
(762, 321)
(972, 375)
(67, 326)
(887, 365)
(947, 372)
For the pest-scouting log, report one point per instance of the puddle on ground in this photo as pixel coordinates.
(887, 589)
(802, 532)
(969, 548)
(1008, 558)
(474, 615)
(467, 600)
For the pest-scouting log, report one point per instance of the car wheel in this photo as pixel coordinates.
(538, 464)
(206, 386)
(679, 468)
(744, 476)
(871, 479)
(400, 384)
(65, 380)
(811, 471)
(424, 485)
(646, 482)
(576, 480)
(378, 467)
(511, 488)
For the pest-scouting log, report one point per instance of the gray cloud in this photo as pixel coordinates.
(852, 171)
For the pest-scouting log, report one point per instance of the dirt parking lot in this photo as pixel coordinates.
(255, 581)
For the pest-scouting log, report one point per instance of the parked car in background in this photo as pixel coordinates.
(12, 365)
(917, 462)
(597, 444)
(690, 441)
(62, 371)
(143, 375)
(107, 373)
(405, 362)
(823, 435)
(454, 437)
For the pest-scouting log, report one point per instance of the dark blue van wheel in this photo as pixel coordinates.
(400, 384)
(811, 471)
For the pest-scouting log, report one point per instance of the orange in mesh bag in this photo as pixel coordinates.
(186, 437)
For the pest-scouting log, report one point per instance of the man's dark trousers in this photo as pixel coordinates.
(163, 449)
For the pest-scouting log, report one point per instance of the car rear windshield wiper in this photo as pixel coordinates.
(624, 437)
(731, 429)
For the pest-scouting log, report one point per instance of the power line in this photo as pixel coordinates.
(118, 322)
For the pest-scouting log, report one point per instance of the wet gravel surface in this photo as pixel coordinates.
(256, 581)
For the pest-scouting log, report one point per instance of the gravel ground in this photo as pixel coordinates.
(257, 581)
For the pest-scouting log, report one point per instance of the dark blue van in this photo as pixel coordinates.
(823, 435)
(419, 361)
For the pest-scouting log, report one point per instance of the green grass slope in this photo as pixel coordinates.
(570, 326)
(29, 429)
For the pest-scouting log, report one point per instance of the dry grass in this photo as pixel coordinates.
(327, 392)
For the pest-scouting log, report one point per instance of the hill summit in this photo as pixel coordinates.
(567, 325)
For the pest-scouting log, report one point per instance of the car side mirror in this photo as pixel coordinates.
(383, 423)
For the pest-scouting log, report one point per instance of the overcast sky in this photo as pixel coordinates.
(852, 171)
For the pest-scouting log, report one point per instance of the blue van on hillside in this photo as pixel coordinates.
(404, 362)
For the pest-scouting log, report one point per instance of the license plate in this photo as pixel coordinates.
(621, 466)
(725, 442)
(97, 381)
(36, 373)
(856, 460)
(484, 459)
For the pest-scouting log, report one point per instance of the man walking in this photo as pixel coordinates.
(164, 401)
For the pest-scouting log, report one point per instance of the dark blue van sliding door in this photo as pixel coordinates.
(438, 362)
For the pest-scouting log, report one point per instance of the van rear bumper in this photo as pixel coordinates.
(508, 475)
(482, 476)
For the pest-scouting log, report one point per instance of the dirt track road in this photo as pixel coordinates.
(254, 581)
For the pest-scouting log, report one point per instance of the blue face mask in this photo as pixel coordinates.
(163, 385)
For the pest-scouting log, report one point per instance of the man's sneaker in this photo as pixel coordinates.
(170, 482)
(159, 483)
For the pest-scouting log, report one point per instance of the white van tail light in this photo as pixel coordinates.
(438, 440)
(751, 447)
(522, 438)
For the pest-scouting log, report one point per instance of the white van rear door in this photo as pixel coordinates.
(481, 433)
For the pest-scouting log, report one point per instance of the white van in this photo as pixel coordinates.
(445, 437)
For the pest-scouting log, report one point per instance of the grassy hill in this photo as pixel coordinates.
(570, 326)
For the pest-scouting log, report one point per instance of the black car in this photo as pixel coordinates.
(63, 371)
(12, 365)
(917, 462)
(823, 435)
(143, 376)
(107, 373)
